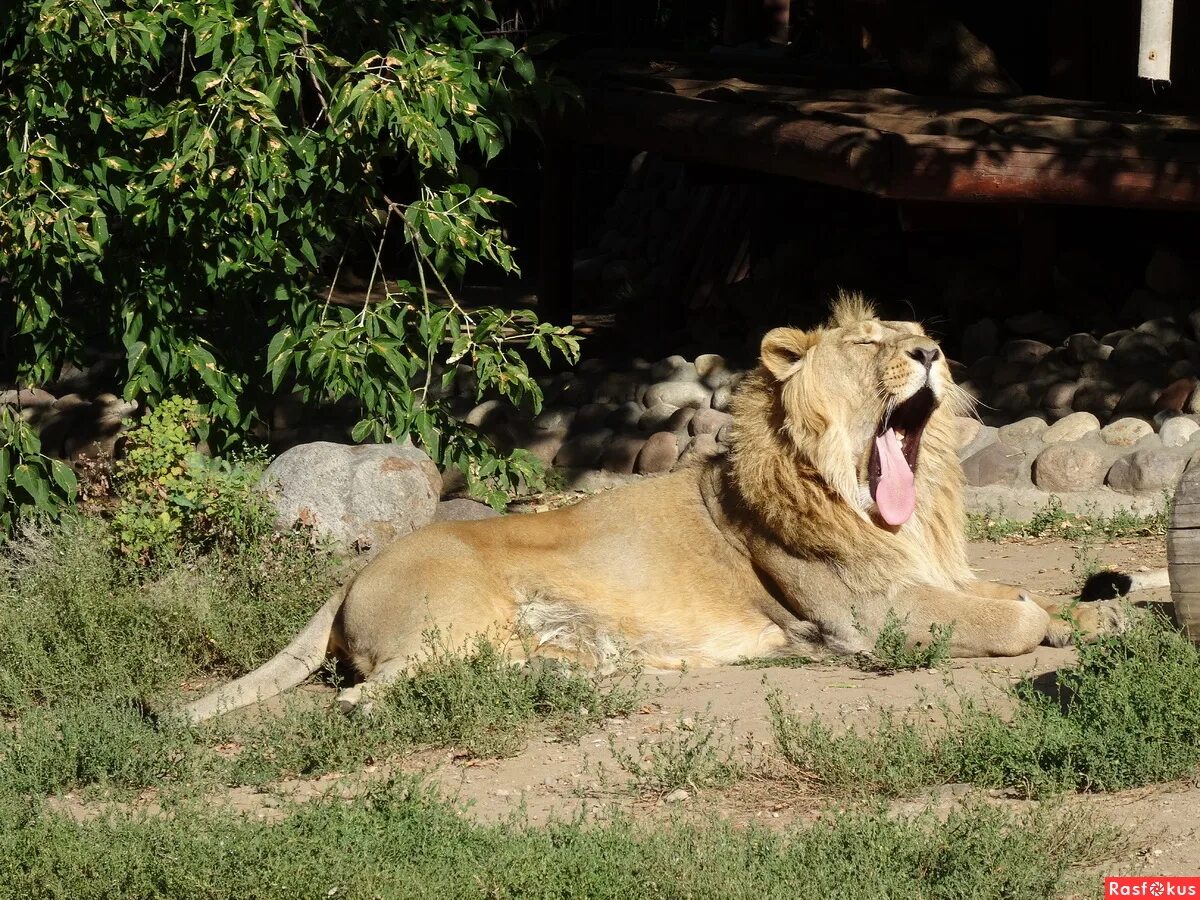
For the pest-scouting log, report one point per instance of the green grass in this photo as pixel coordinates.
(1127, 714)
(88, 644)
(892, 652)
(1053, 520)
(693, 756)
(400, 840)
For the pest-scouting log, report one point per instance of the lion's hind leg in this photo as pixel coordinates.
(1069, 617)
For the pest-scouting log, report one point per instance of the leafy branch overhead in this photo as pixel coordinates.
(186, 180)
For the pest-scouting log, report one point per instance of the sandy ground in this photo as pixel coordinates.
(556, 780)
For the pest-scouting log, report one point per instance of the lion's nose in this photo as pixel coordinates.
(926, 356)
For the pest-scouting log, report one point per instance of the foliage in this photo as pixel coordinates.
(1126, 714)
(892, 652)
(184, 179)
(30, 481)
(172, 496)
(1052, 520)
(692, 756)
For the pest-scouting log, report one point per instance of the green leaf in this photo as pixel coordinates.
(64, 477)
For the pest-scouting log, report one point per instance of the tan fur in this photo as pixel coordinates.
(774, 549)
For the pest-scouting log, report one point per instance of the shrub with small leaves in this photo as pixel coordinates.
(30, 481)
(171, 494)
(184, 179)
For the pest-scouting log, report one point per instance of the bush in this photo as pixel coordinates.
(184, 180)
(31, 483)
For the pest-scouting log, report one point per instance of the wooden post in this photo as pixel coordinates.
(555, 301)
(1183, 552)
(1154, 40)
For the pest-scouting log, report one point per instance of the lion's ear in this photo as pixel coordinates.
(783, 348)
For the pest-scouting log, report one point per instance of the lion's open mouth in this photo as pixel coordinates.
(894, 455)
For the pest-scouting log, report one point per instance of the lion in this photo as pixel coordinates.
(837, 506)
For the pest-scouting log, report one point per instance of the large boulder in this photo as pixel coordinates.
(361, 497)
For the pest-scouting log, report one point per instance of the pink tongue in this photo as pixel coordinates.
(894, 494)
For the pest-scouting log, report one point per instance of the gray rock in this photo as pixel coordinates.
(592, 367)
(593, 415)
(656, 418)
(626, 416)
(1164, 329)
(966, 429)
(1081, 348)
(1177, 431)
(985, 436)
(617, 387)
(1098, 398)
(1013, 398)
(1071, 428)
(673, 368)
(29, 398)
(678, 393)
(1143, 304)
(1139, 397)
(722, 397)
(1138, 349)
(1010, 373)
(979, 339)
(698, 449)
(1125, 432)
(659, 453)
(1114, 337)
(984, 369)
(680, 420)
(621, 454)
(1060, 395)
(709, 421)
(1147, 470)
(1023, 432)
(1168, 274)
(996, 464)
(461, 509)
(713, 370)
(584, 450)
(1073, 466)
(1024, 351)
(545, 445)
(361, 497)
(1194, 323)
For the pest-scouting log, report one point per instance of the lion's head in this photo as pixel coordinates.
(868, 404)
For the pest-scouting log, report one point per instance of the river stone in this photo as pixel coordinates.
(1147, 470)
(656, 418)
(713, 369)
(1019, 433)
(709, 421)
(1164, 329)
(583, 451)
(1177, 431)
(699, 448)
(626, 416)
(622, 453)
(1138, 349)
(966, 429)
(722, 397)
(1083, 348)
(359, 496)
(659, 454)
(1125, 432)
(984, 369)
(544, 445)
(593, 415)
(996, 464)
(28, 398)
(1060, 395)
(1139, 397)
(1074, 466)
(680, 420)
(1024, 351)
(1096, 397)
(1071, 428)
(461, 509)
(984, 437)
(618, 387)
(673, 368)
(1010, 373)
(1175, 395)
(678, 393)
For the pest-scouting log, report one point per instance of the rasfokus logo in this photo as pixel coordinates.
(1152, 886)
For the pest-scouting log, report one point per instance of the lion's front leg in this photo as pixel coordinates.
(1068, 616)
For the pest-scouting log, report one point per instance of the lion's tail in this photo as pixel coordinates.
(286, 669)
(1109, 583)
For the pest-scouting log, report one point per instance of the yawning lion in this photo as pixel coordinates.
(839, 502)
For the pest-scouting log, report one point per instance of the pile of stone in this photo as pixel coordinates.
(73, 426)
(645, 420)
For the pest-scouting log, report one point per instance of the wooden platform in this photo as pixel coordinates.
(1026, 149)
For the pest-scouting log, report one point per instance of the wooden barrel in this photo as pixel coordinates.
(1183, 551)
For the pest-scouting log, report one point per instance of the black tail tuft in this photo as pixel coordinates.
(1105, 586)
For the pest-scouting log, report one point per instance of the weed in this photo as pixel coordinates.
(892, 652)
(776, 662)
(1053, 520)
(692, 756)
(1127, 714)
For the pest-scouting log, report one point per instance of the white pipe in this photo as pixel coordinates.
(1154, 42)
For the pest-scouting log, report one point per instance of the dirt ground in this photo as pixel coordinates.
(554, 779)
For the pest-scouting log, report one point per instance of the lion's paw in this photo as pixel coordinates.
(1091, 620)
